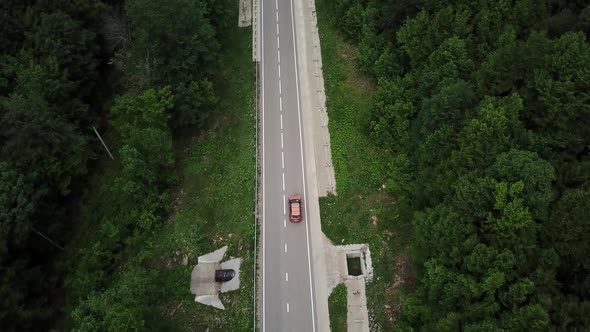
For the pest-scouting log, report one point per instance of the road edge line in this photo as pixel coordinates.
(302, 165)
(263, 235)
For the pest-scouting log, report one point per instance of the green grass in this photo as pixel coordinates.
(338, 307)
(216, 200)
(361, 212)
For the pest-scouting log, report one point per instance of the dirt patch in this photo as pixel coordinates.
(172, 311)
(400, 264)
(374, 220)
(388, 234)
(403, 278)
(178, 197)
(350, 53)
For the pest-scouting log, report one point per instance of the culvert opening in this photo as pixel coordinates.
(354, 265)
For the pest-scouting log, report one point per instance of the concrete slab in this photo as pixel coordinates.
(210, 300)
(357, 316)
(245, 13)
(255, 30)
(203, 279)
(337, 273)
(203, 284)
(313, 97)
(235, 282)
(335, 265)
(213, 257)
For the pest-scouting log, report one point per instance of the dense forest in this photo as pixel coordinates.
(483, 115)
(140, 72)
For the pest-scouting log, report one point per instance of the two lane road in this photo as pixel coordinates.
(287, 289)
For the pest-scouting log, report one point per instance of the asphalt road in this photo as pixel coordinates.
(287, 301)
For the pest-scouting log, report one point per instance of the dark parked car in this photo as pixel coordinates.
(224, 275)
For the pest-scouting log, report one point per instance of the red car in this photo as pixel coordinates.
(295, 208)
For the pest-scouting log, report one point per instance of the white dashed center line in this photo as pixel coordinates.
(282, 140)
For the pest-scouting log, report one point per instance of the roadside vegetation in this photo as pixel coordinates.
(216, 200)
(175, 110)
(480, 118)
(337, 307)
(362, 211)
(211, 169)
(213, 207)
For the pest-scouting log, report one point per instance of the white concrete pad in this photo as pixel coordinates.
(245, 13)
(337, 273)
(213, 257)
(313, 97)
(203, 279)
(203, 284)
(235, 282)
(357, 317)
(210, 300)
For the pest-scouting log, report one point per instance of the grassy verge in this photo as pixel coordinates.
(337, 307)
(215, 202)
(362, 212)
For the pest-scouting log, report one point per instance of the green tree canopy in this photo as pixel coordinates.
(36, 137)
(169, 45)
